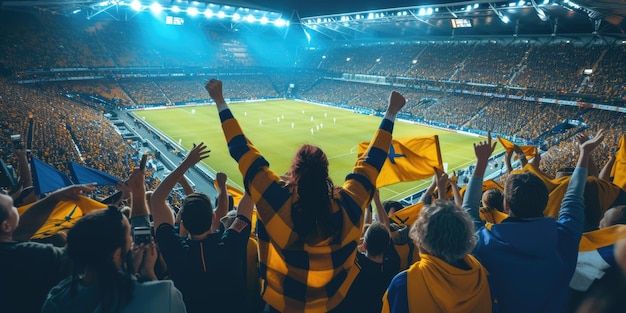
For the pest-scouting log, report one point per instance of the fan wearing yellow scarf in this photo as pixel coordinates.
(446, 278)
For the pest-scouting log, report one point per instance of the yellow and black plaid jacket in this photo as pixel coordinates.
(298, 277)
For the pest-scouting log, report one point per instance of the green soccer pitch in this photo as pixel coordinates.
(278, 127)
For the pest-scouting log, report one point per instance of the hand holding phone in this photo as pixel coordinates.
(142, 235)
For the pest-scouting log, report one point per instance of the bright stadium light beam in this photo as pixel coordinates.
(175, 9)
(136, 5)
(505, 19)
(208, 13)
(279, 22)
(192, 11)
(236, 17)
(156, 8)
(250, 18)
(264, 20)
(221, 14)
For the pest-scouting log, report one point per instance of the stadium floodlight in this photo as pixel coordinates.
(279, 22)
(468, 8)
(156, 8)
(370, 16)
(521, 3)
(208, 13)
(540, 12)
(429, 11)
(192, 11)
(136, 5)
(264, 20)
(236, 17)
(221, 14)
(421, 12)
(250, 18)
(511, 4)
(175, 9)
(476, 5)
(505, 19)
(545, 2)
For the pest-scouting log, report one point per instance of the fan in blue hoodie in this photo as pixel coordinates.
(531, 258)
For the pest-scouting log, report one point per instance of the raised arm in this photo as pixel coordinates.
(507, 161)
(186, 185)
(572, 214)
(427, 197)
(471, 201)
(26, 179)
(161, 212)
(361, 183)
(458, 200)
(520, 155)
(592, 169)
(381, 215)
(442, 183)
(136, 184)
(605, 174)
(244, 213)
(222, 201)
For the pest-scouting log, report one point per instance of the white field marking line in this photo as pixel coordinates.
(345, 154)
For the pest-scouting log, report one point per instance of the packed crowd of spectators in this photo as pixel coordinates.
(58, 130)
(609, 76)
(194, 257)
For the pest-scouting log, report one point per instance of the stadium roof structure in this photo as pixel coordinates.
(372, 19)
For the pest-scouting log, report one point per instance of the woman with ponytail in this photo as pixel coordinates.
(308, 229)
(105, 271)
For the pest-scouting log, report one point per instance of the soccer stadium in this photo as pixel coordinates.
(292, 156)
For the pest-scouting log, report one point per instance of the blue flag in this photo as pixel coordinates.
(46, 178)
(86, 175)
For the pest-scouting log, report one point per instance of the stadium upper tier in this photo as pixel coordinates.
(44, 42)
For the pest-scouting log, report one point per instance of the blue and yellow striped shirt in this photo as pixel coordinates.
(298, 277)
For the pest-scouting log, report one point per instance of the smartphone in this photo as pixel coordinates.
(142, 235)
(17, 141)
(144, 159)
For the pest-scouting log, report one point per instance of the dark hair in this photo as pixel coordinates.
(444, 230)
(91, 243)
(526, 195)
(494, 199)
(391, 204)
(312, 212)
(197, 214)
(377, 239)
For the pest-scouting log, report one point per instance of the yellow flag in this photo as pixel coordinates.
(408, 215)
(409, 159)
(64, 215)
(528, 151)
(618, 172)
(487, 184)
